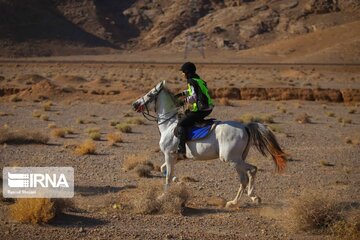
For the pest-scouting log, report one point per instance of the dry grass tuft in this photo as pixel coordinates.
(15, 98)
(314, 213)
(330, 114)
(349, 230)
(135, 121)
(47, 106)
(188, 179)
(44, 117)
(36, 114)
(96, 136)
(352, 111)
(247, 118)
(52, 125)
(173, 200)
(225, 102)
(37, 210)
(21, 136)
(114, 138)
(123, 127)
(80, 121)
(143, 170)
(69, 130)
(326, 163)
(87, 147)
(58, 133)
(303, 118)
(133, 160)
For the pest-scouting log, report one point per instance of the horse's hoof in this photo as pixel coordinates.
(256, 200)
(229, 204)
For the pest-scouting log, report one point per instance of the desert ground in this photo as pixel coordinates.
(321, 138)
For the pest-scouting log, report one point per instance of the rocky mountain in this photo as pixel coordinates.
(65, 27)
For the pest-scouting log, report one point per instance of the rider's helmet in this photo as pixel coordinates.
(188, 68)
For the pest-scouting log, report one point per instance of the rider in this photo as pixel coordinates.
(201, 105)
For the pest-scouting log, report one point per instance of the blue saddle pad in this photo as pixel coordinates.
(200, 132)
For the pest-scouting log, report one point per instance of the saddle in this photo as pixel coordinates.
(200, 129)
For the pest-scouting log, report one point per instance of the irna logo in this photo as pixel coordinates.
(34, 180)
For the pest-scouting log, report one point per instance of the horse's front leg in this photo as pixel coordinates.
(170, 162)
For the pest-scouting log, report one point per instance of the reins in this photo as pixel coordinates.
(153, 118)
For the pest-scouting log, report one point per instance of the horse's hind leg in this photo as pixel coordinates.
(244, 180)
(251, 171)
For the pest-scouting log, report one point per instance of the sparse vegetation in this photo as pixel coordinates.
(143, 170)
(114, 138)
(87, 147)
(225, 102)
(172, 201)
(246, 118)
(95, 136)
(352, 111)
(44, 117)
(69, 130)
(36, 114)
(311, 212)
(37, 210)
(52, 125)
(92, 130)
(326, 163)
(58, 133)
(15, 98)
(21, 136)
(303, 118)
(133, 160)
(47, 106)
(135, 121)
(80, 121)
(123, 127)
(330, 114)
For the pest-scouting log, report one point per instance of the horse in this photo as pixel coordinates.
(228, 141)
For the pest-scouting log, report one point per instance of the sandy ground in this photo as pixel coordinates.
(101, 182)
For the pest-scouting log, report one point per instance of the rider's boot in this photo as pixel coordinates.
(181, 147)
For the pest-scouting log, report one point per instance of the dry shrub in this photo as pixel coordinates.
(188, 179)
(248, 117)
(349, 230)
(143, 170)
(135, 121)
(69, 130)
(303, 118)
(92, 130)
(352, 111)
(37, 210)
(47, 106)
(80, 121)
(21, 136)
(114, 138)
(133, 160)
(123, 127)
(87, 147)
(225, 102)
(36, 114)
(330, 114)
(52, 125)
(95, 136)
(15, 98)
(44, 117)
(172, 201)
(58, 132)
(314, 213)
(113, 123)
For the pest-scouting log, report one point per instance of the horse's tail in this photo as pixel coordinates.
(265, 141)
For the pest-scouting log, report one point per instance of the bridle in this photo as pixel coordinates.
(147, 115)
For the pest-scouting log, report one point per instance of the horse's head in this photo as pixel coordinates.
(143, 103)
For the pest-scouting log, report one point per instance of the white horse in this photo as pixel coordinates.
(229, 141)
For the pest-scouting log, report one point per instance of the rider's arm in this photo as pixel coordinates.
(181, 94)
(192, 98)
